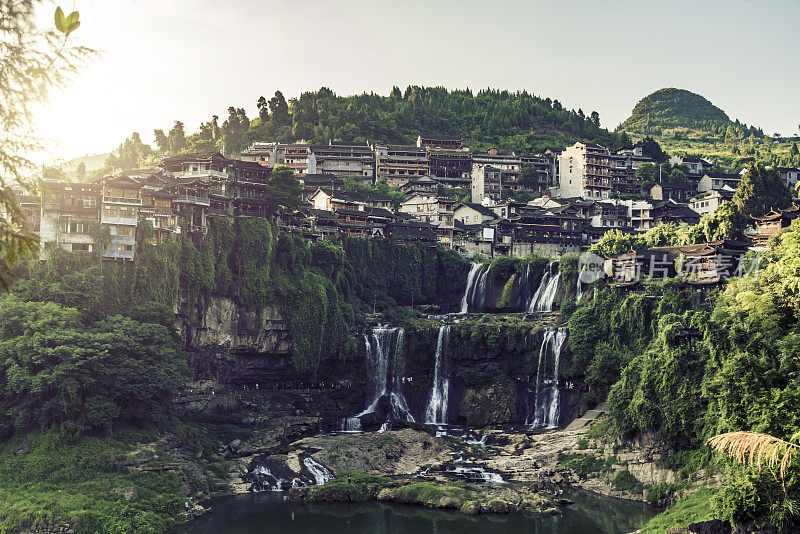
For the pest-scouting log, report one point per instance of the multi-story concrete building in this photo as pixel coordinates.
(640, 214)
(437, 211)
(119, 215)
(706, 203)
(69, 216)
(487, 182)
(585, 172)
(694, 166)
(624, 164)
(156, 207)
(717, 181)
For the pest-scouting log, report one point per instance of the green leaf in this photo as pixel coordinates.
(72, 27)
(72, 18)
(61, 21)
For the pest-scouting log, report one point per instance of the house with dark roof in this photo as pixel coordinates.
(772, 223)
(677, 191)
(715, 180)
(473, 214)
(439, 142)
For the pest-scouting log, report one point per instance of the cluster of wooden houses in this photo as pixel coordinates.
(182, 193)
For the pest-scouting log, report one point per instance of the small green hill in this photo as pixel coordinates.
(673, 108)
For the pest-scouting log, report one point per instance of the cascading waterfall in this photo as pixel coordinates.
(473, 270)
(474, 300)
(579, 288)
(384, 349)
(547, 403)
(542, 300)
(436, 412)
(350, 424)
(320, 473)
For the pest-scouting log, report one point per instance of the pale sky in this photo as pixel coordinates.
(167, 60)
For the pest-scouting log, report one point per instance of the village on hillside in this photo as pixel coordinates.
(580, 193)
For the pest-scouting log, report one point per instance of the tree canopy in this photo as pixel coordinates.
(760, 191)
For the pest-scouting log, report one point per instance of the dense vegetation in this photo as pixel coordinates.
(686, 123)
(669, 108)
(511, 121)
(688, 369)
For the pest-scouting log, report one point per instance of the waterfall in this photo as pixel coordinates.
(472, 472)
(542, 300)
(579, 288)
(473, 270)
(384, 348)
(263, 479)
(474, 299)
(547, 404)
(320, 473)
(350, 424)
(436, 412)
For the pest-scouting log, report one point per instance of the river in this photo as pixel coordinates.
(266, 512)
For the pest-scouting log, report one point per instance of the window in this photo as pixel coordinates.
(124, 230)
(109, 211)
(125, 248)
(81, 246)
(127, 213)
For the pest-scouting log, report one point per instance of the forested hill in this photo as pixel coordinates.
(671, 108)
(509, 120)
(684, 122)
(518, 121)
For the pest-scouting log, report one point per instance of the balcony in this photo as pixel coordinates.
(191, 199)
(118, 254)
(217, 175)
(125, 221)
(122, 200)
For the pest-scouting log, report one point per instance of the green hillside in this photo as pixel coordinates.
(686, 123)
(674, 108)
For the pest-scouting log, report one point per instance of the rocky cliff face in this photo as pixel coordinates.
(226, 326)
(490, 364)
(231, 345)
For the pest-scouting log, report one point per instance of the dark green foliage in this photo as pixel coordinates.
(55, 370)
(626, 481)
(391, 274)
(284, 190)
(585, 465)
(760, 191)
(609, 329)
(658, 389)
(318, 315)
(254, 248)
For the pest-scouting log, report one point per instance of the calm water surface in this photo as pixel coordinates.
(265, 512)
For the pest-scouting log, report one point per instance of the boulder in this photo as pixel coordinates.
(130, 494)
(471, 508)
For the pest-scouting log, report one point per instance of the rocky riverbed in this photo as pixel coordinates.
(490, 471)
